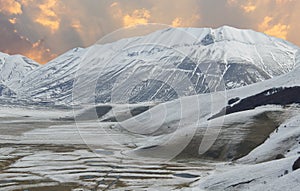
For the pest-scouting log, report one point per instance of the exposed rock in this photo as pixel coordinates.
(275, 96)
(279, 156)
(233, 100)
(296, 164)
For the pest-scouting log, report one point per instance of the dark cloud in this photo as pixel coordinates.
(12, 42)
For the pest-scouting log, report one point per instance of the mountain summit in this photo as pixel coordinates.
(13, 69)
(163, 65)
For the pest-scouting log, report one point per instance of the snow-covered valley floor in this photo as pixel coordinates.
(49, 154)
(44, 150)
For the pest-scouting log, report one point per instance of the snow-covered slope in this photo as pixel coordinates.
(191, 115)
(13, 69)
(53, 81)
(266, 136)
(163, 65)
(257, 172)
(6, 92)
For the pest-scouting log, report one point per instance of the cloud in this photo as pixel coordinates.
(137, 17)
(13, 20)
(76, 25)
(27, 2)
(181, 22)
(129, 17)
(232, 2)
(65, 24)
(10, 7)
(248, 8)
(39, 53)
(278, 30)
(116, 10)
(281, 2)
(12, 42)
(183, 13)
(47, 15)
(177, 22)
(272, 17)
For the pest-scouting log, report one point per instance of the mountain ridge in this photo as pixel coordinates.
(13, 69)
(209, 58)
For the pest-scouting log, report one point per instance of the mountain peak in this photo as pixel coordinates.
(211, 59)
(13, 69)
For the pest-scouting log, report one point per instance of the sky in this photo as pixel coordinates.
(44, 29)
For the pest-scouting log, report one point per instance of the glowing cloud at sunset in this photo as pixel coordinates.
(181, 22)
(278, 30)
(248, 8)
(47, 16)
(60, 25)
(10, 7)
(39, 52)
(137, 17)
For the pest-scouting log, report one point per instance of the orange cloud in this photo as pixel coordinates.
(278, 30)
(13, 20)
(116, 10)
(114, 4)
(177, 22)
(180, 22)
(10, 7)
(137, 17)
(35, 51)
(39, 53)
(76, 25)
(248, 8)
(26, 2)
(47, 16)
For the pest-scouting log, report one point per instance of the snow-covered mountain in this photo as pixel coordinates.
(259, 131)
(162, 66)
(277, 98)
(53, 81)
(13, 69)
(246, 109)
(6, 92)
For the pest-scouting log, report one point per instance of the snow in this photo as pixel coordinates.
(264, 176)
(54, 154)
(55, 73)
(255, 171)
(262, 172)
(34, 113)
(176, 57)
(285, 141)
(50, 149)
(14, 68)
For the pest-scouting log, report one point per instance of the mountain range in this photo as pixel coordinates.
(221, 94)
(161, 66)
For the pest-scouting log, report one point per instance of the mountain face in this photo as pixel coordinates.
(13, 69)
(6, 92)
(161, 66)
(242, 120)
(53, 81)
